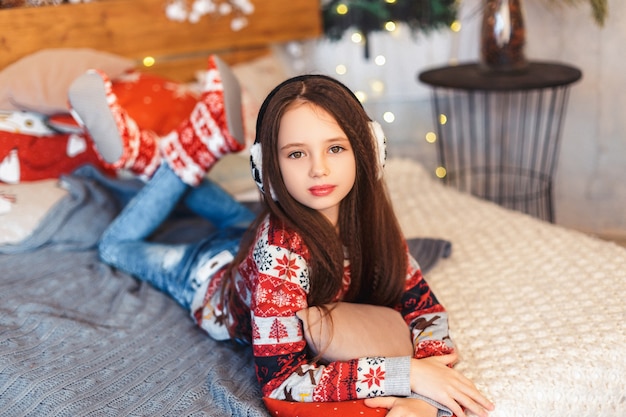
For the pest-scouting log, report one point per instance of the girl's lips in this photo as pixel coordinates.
(321, 190)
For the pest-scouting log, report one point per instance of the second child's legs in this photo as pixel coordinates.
(187, 154)
(211, 202)
(124, 243)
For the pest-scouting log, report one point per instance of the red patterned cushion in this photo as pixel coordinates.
(26, 157)
(355, 408)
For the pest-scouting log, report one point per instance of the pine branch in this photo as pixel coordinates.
(599, 8)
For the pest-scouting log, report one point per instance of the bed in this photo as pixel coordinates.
(536, 310)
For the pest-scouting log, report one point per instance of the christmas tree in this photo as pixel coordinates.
(369, 16)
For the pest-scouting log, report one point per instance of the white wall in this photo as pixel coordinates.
(591, 173)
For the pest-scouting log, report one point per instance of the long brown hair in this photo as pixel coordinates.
(368, 228)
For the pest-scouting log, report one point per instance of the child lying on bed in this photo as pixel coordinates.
(327, 237)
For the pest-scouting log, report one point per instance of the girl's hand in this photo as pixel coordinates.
(432, 378)
(403, 407)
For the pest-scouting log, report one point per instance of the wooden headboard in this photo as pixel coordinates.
(140, 28)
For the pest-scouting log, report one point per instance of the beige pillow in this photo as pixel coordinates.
(357, 331)
(257, 78)
(39, 81)
(23, 206)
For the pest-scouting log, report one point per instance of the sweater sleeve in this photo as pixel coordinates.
(284, 369)
(426, 317)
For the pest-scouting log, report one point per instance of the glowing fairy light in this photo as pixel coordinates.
(440, 172)
(380, 60)
(390, 26)
(148, 61)
(431, 137)
(389, 117)
(341, 69)
(342, 9)
(455, 26)
(443, 119)
(361, 96)
(356, 37)
(377, 86)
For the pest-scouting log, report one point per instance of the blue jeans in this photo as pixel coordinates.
(170, 267)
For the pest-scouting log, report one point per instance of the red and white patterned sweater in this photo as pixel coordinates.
(272, 286)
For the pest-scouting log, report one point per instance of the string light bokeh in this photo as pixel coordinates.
(376, 86)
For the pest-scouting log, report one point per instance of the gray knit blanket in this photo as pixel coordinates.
(78, 338)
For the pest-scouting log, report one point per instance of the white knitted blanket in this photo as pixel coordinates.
(537, 311)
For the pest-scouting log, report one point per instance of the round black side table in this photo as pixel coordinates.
(498, 133)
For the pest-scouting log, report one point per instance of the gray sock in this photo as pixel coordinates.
(87, 96)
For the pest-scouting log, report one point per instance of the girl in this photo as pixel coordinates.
(327, 233)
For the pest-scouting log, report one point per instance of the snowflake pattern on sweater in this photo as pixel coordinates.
(272, 285)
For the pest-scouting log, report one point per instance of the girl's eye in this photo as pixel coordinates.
(336, 149)
(296, 154)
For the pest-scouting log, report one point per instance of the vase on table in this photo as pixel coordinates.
(503, 36)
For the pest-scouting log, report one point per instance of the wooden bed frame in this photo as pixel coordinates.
(140, 28)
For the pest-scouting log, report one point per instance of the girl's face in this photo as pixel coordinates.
(315, 159)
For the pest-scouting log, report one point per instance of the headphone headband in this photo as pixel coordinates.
(298, 78)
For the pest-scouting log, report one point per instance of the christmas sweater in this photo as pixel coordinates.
(272, 285)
